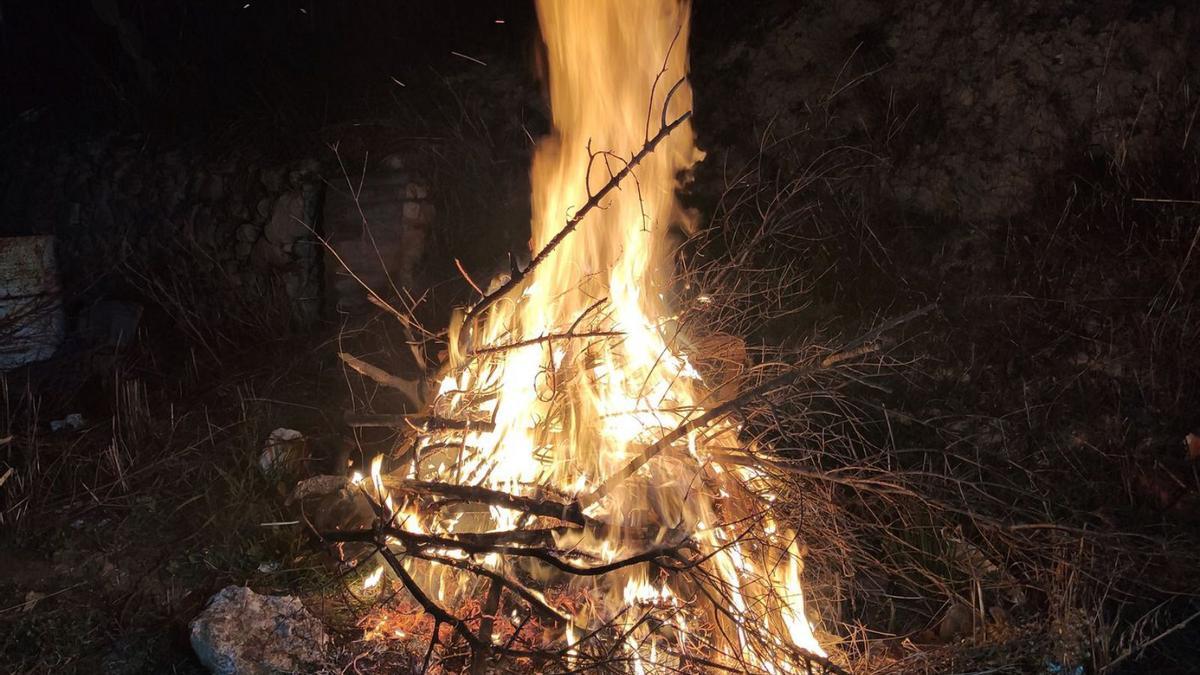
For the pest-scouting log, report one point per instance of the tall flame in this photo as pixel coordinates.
(565, 414)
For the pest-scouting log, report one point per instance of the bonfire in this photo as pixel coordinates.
(576, 495)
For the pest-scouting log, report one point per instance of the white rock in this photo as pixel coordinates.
(287, 219)
(70, 422)
(244, 633)
(282, 446)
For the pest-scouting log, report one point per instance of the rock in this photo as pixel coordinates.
(266, 255)
(244, 633)
(283, 448)
(247, 232)
(1051, 87)
(214, 189)
(390, 252)
(272, 179)
(334, 503)
(428, 211)
(30, 301)
(287, 222)
(304, 171)
(958, 621)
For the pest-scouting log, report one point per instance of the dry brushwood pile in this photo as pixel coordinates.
(603, 474)
(574, 494)
(545, 555)
(512, 574)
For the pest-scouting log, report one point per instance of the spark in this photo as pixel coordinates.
(469, 58)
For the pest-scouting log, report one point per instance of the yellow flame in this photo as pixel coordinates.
(565, 415)
(376, 478)
(372, 579)
(572, 652)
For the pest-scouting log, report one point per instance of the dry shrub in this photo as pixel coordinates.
(218, 312)
(934, 544)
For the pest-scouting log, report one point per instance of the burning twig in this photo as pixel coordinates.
(426, 422)
(517, 277)
(541, 339)
(440, 615)
(712, 416)
(470, 493)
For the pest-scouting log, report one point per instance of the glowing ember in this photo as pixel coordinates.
(567, 453)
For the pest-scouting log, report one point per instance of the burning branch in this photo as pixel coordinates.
(542, 339)
(518, 276)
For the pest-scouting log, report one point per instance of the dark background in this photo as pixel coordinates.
(195, 65)
(1030, 169)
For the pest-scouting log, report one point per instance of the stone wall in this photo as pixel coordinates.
(242, 228)
(378, 227)
(118, 202)
(971, 105)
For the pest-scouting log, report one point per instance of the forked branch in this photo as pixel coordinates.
(410, 388)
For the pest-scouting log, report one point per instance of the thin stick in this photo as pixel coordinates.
(422, 541)
(593, 202)
(462, 270)
(1164, 200)
(410, 388)
(538, 507)
(537, 604)
(417, 348)
(487, 621)
(547, 338)
(1143, 646)
(427, 422)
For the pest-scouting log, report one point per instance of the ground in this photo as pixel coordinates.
(1039, 409)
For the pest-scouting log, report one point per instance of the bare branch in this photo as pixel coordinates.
(410, 388)
(516, 279)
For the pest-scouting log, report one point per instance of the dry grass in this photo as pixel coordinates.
(1007, 489)
(116, 532)
(217, 312)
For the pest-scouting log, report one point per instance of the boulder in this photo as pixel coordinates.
(287, 222)
(244, 633)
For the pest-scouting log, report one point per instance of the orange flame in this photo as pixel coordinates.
(567, 413)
